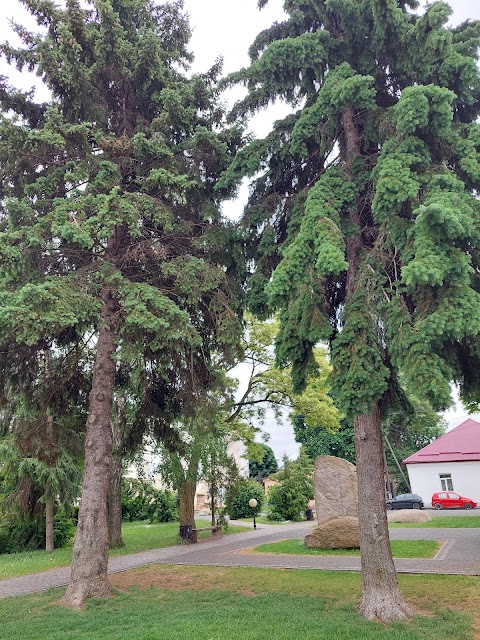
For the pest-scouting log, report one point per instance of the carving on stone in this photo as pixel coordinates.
(336, 503)
(335, 488)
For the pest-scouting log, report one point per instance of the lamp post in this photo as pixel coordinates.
(253, 504)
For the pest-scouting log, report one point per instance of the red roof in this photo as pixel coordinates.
(458, 445)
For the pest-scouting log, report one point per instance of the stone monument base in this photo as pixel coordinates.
(338, 533)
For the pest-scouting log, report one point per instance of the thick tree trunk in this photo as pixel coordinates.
(114, 504)
(49, 539)
(90, 550)
(381, 598)
(186, 509)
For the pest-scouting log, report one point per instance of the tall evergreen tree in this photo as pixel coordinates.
(109, 218)
(365, 213)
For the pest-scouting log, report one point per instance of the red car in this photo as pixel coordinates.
(450, 500)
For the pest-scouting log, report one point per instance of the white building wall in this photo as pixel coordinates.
(238, 451)
(425, 478)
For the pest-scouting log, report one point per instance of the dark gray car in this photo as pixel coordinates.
(405, 501)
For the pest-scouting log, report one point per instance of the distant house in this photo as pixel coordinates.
(267, 483)
(149, 471)
(450, 463)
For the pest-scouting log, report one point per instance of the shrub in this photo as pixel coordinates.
(142, 501)
(236, 501)
(274, 516)
(29, 535)
(289, 500)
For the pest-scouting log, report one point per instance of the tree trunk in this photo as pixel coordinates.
(49, 536)
(49, 539)
(90, 550)
(186, 510)
(213, 486)
(381, 598)
(114, 504)
(213, 497)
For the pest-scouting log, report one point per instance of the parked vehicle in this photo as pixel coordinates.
(451, 500)
(405, 501)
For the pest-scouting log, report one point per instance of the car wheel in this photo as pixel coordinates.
(389, 507)
(437, 505)
(467, 505)
(415, 505)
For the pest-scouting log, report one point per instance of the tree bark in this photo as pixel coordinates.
(90, 550)
(213, 497)
(49, 516)
(381, 598)
(49, 537)
(114, 504)
(186, 509)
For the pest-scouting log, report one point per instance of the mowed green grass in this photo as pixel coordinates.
(441, 522)
(400, 549)
(215, 603)
(138, 536)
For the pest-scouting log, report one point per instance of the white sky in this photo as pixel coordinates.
(225, 28)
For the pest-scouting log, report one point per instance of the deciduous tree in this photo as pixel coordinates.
(264, 463)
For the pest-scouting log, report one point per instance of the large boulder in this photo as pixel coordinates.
(408, 515)
(335, 488)
(339, 533)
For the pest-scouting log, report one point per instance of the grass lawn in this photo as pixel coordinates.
(138, 536)
(217, 603)
(400, 549)
(441, 522)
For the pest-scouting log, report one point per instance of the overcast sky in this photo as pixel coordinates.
(226, 28)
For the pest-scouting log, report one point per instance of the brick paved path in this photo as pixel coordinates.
(460, 554)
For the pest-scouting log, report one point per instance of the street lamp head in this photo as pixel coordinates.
(253, 504)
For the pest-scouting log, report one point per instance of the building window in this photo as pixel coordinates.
(446, 481)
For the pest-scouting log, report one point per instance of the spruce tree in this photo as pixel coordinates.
(109, 221)
(364, 222)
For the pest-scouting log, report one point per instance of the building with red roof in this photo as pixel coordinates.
(450, 463)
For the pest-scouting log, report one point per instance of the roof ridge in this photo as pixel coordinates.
(461, 443)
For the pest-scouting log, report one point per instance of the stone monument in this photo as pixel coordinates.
(335, 488)
(336, 503)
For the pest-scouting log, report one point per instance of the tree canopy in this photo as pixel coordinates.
(109, 220)
(363, 222)
(263, 464)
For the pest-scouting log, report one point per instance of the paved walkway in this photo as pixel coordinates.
(460, 554)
